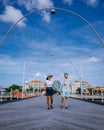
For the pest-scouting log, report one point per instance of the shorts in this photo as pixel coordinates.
(49, 91)
(65, 94)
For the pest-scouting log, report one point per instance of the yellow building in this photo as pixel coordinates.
(99, 88)
(36, 84)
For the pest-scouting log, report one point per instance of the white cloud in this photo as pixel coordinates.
(9, 65)
(40, 76)
(65, 64)
(69, 2)
(92, 60)
(37, 4)
(12, 15)
(92, 3)
(46, 16)
(89, 36)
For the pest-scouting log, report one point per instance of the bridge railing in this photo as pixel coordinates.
(5, 96)
(89, 97)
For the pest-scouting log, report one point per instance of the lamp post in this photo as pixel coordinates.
(52, 55)
(23, 87)
(81, 81)
(1, 83)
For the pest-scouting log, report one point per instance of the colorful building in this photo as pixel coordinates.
(99, 88)
(77, 84)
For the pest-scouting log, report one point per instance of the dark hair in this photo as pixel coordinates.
(49, 76)
(66, 73)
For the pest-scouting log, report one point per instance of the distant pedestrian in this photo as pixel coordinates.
(49, 91)
(65, 91)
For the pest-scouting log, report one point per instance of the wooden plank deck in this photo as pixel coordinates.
(32, 114)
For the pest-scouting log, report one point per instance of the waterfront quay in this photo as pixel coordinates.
(99, 99)
(32, 114)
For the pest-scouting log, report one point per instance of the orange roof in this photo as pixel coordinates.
(89, 86)
(84, 82)
(76, 81)
(35, 81)
(100, 87)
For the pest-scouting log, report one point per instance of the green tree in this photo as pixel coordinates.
(41, 89)
(90, 90)
(78, 90)
(99, 91)
(95, 92)
(36, 90)
(31, 89)
(14, 87)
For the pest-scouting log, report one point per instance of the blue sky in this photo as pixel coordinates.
(46, 43)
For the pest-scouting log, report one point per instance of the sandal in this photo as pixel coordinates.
(66, 107)
(61, 106)
(49, 108)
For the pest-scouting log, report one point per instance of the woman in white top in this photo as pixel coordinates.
(65, 91)
(49, 91)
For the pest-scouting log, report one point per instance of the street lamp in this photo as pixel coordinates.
(53, 11)
(1, 83)
(23, 87)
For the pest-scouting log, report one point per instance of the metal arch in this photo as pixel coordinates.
(66, 10)
(61, 70)
(47, 68)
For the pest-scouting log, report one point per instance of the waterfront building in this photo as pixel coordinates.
(83, 85)
(36, 84)
(99, 88)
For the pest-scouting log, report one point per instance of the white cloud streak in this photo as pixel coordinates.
(92, 59)
(88, 35)
(40, 75)
(46, 16)
(92, 3)
(12, 15)
(37, 4)
(69, 2)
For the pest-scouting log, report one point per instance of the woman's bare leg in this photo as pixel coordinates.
(51, 100)
(48, 101)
